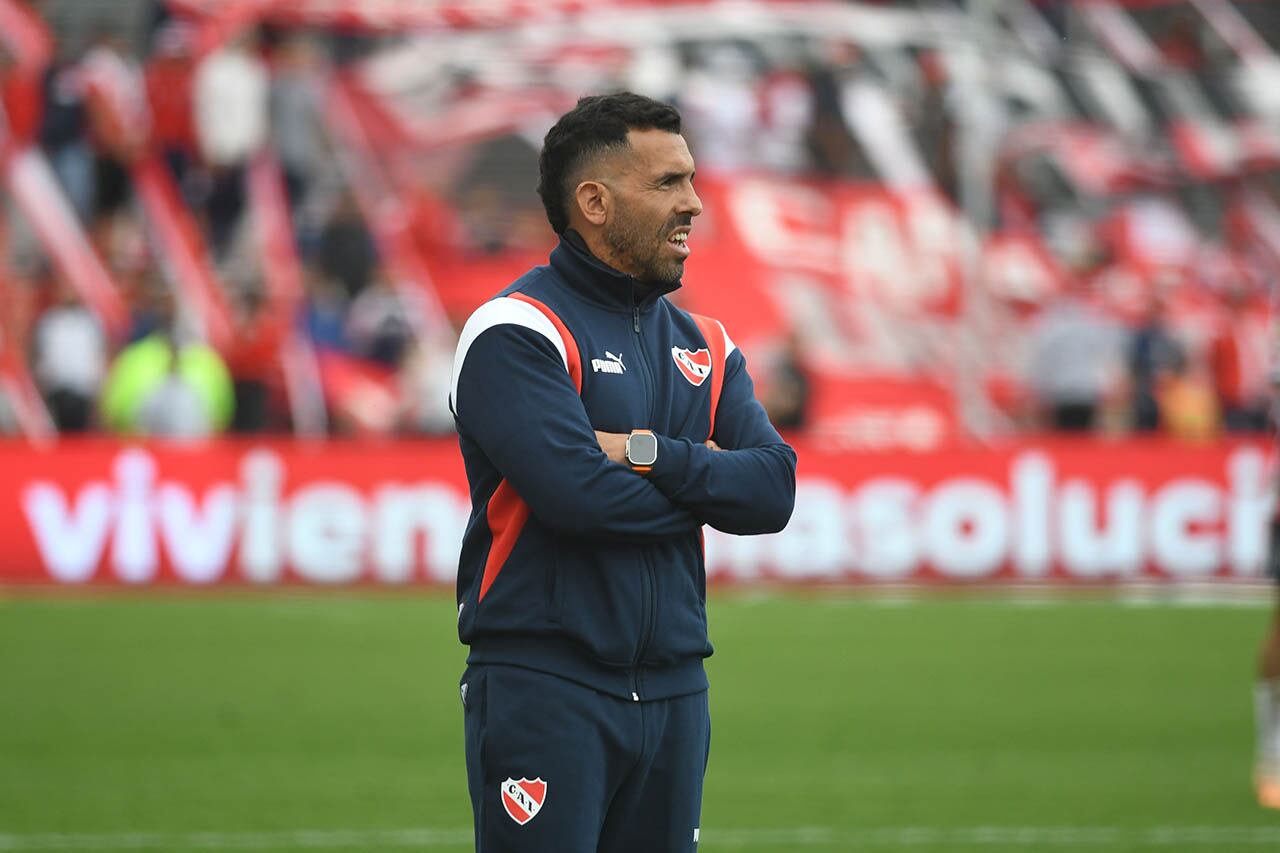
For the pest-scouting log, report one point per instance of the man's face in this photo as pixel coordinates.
(653, 209)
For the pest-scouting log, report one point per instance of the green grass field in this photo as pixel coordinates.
(332, 723)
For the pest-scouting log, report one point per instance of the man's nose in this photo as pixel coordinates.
(690, 203)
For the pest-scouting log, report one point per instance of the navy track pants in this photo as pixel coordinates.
(556, 767)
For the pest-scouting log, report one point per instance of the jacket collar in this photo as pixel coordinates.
(597, 282)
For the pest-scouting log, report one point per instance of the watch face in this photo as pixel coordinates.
(642, 448)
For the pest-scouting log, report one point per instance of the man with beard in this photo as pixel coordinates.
(601, 427)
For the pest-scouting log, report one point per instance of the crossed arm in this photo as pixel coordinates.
(742, 480)
(537, 434)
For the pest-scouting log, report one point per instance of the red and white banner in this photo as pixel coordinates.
(100, 513)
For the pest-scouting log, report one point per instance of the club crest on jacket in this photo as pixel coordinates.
(694, 365)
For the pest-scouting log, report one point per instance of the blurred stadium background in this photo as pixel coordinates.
(1005, 271)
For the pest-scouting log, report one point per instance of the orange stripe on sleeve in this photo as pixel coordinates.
(570, 345)
(713, 333)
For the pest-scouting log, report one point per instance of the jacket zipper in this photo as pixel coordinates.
(644, 356)
(649, 581)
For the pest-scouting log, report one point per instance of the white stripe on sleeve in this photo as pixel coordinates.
(729, 345)
(497, 312)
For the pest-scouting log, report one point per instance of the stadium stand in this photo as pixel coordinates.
(909, 241)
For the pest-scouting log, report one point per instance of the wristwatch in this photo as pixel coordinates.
(642, 450)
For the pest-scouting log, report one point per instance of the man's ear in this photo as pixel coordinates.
(593, 201)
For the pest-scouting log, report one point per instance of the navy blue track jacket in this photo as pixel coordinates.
(573, 564)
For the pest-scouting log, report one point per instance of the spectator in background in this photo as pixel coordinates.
(423, 383)
(231, 95)
(21, 114)
(253, 359)
(1153, 354)
(833, 149)
(151, 304)
(721, 108)
(934, 119)
(294, 110)
(63, 135)
(119, 119)
(347, 254)
(485, 219)
(68, 360)
(1188, 403)
(190, 399)
(380, 325)
(787, 388)
(787, 106)
(168, 384)
(1238, 372)
(492, 203)
(324, 312)
(123, 245)
(1076, 358)
(169, 84)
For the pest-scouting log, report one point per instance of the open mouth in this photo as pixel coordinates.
(678, 240)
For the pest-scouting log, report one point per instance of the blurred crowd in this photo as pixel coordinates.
(91, 113)
(1166, 256)
(1122, 343)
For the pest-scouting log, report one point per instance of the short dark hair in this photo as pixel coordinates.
(597, 124)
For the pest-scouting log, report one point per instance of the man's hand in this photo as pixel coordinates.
(614, 445)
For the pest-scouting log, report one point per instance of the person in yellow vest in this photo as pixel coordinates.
(1188, 402)
(168, 384)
